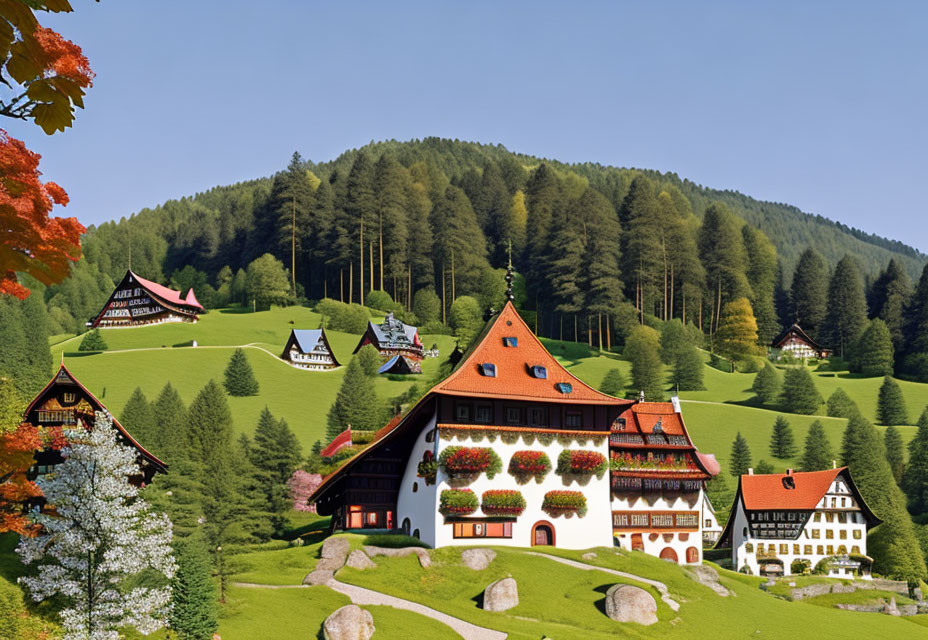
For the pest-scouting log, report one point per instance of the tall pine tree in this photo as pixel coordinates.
(138, 419)
(641, 349)
(740, 459)
(895, 452)
(846, 317)
(239, 376)
(915, 476)
(193, 595)
(873, 355)
(721, 249)
(762, 276)
(889, 298)
(782, 444)
(890, 406)
(809, 293)
(355, 405)
(817, 454)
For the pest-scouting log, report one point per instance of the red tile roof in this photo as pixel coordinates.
(169, 295)
(648, 414)
(767, 491)
(340, 441)
(514, 379)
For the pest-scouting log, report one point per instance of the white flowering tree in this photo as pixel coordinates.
(98, 536)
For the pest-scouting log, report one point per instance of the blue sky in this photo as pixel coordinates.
(818, 104)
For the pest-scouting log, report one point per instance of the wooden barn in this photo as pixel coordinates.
(795, 342)
(138, 302)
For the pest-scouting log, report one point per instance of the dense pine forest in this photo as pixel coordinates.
(598, 249)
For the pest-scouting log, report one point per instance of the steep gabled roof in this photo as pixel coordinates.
(306, 339)
(514, 377)
(191, 299)
(797, 330)
(64, 376)
(768, 491)
(165, 293)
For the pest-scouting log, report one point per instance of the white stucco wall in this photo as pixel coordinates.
(593, 529)
(420, 505)
(678, 541)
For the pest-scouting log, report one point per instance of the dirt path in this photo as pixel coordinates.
(660, 586)
(363, 596)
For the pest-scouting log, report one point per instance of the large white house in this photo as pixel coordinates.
(309, 349)
(512, 449)
(781, 524)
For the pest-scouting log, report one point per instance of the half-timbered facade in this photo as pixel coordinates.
(66, 403)
(394, 338)
(509, 449)
(309, 349)
(795, 342)
(781, 524)
(138, 302)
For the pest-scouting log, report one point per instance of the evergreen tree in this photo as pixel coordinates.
(687, 277)
(92, 341)
(427, 306)
(239, 377)
(740, 460)
(915, 475)
(38, 353)
(687, 370)
(767, 386)
(840, 405)
(762, 276)
(138, 419)
(356, 403)
(276, 454)
(888, 301)
(169, 415)
(419, 237)
(641, 349)
(917, 318)
(721, 249)
(267, 282)
(493, 207)
(799, 392)
(193, 595)
(673, 340)
(817, 455)
(892, 544)
(890, 407)
(736, 337)
(846, 317)
(764, 468)
(782, 444)
(370, 359)
(873, 355)
(390, 184)
(809, 293)
(894, 452)
(209, 423)
(465, 318)
(602, 283)
(542, 198)
(361, 219)
(720, 496)
(613, 382)
(458, 245)
(643, 222)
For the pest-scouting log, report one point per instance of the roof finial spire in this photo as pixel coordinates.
(509, 277)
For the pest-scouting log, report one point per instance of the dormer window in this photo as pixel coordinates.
(510, 341)
(620, 424)
(564, 387)
(488, 369)
(789, 483)
(539, 372)
(659, 427)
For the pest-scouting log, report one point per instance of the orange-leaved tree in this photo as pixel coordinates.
(42, 78)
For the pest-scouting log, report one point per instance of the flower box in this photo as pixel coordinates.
(559, 503)
(630, 462)
(457, 502)
(427, 469)
(463, 461)
(527, 464)
(581, 462)
(502, 502)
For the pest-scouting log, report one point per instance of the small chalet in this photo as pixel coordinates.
(782, 521)
(400, 364)
(66, 403)
(394, 338)
(309, 349)
(711, 529)
(797, 343)
(512, 449)
(137, 302)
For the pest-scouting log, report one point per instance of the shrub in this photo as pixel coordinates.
(527, 464)
(559, 503)
(93, 341)
(459, 502)
(339, 316)
(580, 462)
(379, 300)
(502, 502)
(470, 460)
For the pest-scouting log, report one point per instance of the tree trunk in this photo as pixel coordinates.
(608, 333)
(599, 322)
(589, 331)
(380, 248)
(718, 305)
(454, 295)
(341, 284)
(293, 246)
(370, 249)
(443, 321)
(664, 252)
(576, 334)
(671, 291)
(350, 282)
(361, 270)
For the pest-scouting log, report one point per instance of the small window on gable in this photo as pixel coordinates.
(430, 436)
(659, 427)
(789, 482)
(510, 341)
(462, 412)
(619, 424)
(540, 372)
(513, 415)
(538, 417)
(564, 387)
(574, 419)
(483, 414)
(488, 369)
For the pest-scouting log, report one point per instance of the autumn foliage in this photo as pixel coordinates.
(32, 242)
(17, 451)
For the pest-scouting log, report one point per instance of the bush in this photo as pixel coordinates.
(466, 318)
(380, 300)
(459, 502)
(427, 305)
(436, 328)
(527, 464)
(470, 460)
(339, 316)
(613, 383)
(580, 462)
(370, 359)
(559, 503)
(93, 341)
(502, 502)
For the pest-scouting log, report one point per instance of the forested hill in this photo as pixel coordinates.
(591, 241)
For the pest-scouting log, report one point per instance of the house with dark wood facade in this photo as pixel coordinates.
(512, 449)
(309, 349)
(795, 342)
(66, 403)
(138, 302)
(392, 338)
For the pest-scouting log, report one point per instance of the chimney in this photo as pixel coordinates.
(834, 464)
(641, 396)
(751, 471)
(789, 472)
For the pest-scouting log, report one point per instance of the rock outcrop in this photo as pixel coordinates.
(357, 559)
(628, 603)
(501, 595)
(477, 559)
(709, 577)
(351, 622)
(425, 561)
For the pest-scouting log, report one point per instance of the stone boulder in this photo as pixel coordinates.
(425, 561)
(708, 577)
(330, 564)
(317, 577)
(590, 555)
(890, 608)
(359, 560)
(501, 595)
(477, 559)
(627, 603)
(351, 622)
(335, 548)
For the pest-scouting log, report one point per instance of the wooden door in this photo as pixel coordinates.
(543, 535)
(669, 554)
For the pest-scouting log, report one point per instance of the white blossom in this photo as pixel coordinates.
(99, 534)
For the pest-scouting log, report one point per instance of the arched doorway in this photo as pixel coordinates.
(543, 534)
(406, 526)
(692, 555)
(669, 554)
